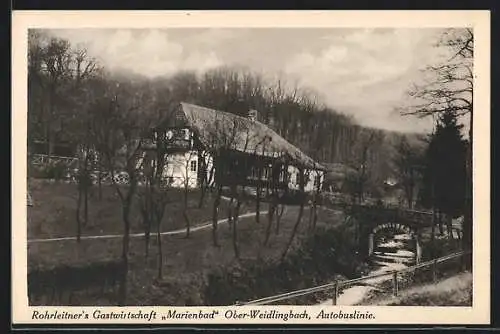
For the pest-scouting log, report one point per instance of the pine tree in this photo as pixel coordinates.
(444, 176)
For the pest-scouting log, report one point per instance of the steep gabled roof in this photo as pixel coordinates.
(219, 129)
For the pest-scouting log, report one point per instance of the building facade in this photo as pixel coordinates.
(206, 147)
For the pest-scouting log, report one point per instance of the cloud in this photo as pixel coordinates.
(361, 72)
(149, 52)
(367, 72)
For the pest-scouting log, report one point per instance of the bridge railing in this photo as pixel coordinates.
(334, 288)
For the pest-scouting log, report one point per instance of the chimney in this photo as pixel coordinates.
(252, 114)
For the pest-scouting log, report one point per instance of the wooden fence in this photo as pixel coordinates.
(335, 287)
(43, 159)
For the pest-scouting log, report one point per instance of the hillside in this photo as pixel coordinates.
(452, 291)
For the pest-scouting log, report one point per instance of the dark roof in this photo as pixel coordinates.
(337, 171)
(219, 129)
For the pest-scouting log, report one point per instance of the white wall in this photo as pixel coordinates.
(177, 163)
(293, 183)
(209, 160)
(178, 168)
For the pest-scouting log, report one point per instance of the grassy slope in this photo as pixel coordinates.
(186, 261)
(453, 291)
(54, 212)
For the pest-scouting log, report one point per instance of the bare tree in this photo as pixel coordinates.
(206, 174)
(259, 168)
(58, 70)
(450, 88)
(303, 176)
(275, 185)
(190, 166)
(154, 196)
(361, 161)
(237, 170)
(60, 88)
(119, 140)
(280, 209)
(221, 136)
(318, 175)
(84, 136)
(408, 168)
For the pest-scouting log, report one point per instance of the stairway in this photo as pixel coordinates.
(394, 251)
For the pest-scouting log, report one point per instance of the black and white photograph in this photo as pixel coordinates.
(249, 166)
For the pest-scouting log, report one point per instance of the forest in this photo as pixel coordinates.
(67, 88)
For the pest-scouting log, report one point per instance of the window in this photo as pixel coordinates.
(193, 165)
(266, 173)
(254, 174)
(316, 181)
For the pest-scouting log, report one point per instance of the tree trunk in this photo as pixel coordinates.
(294, 231)
(50, 144)
(440, 222)
(146, 217)
(160, 249)
(230, 211)
(449, 226)
(147, 235)
(272, 209)
(257, 206)
(99, 180)
(188, 223)
(86, 203)
(86, 185)
(299, 217)
(125, 251)
(315, 215)
(310, 216)
(257, 198)
(278, 218)
(184, 211)
(78, 221)
(235, 229)
(203, 189)
(409, 197)
(433, 234)
(215, 215)
(202, 177)
(467, 230)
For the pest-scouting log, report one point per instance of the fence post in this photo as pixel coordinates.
(395, 283)
(434, 271)
(335, 293)
(462, 262)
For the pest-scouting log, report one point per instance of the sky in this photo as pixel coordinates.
(360, 72)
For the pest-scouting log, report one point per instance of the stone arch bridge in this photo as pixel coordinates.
(372, 221)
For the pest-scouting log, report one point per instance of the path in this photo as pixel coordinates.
(397, 259)
(137, 235)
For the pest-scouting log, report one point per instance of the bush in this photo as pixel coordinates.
(49, 283)
(53, 170)
(438, 248)
(322, 257)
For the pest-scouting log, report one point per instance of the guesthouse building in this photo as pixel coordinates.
(207, 146)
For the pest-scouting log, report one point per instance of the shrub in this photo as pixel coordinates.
(55, 170)
(319, 258)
